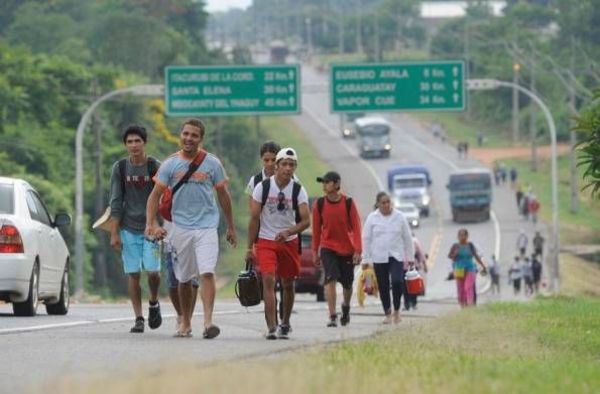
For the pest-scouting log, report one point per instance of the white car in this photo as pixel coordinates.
(34, 259)
(410, 211)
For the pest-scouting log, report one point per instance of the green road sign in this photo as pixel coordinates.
(432, 86)
(232, 90)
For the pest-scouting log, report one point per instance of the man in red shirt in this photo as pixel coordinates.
(336, 243)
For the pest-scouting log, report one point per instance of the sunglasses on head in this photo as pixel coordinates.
(281, 201)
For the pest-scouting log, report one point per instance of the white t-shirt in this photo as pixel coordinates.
(272, 220)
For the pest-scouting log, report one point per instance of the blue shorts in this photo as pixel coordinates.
(170, 257)
(138, 253)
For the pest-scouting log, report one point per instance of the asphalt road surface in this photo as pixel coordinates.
(93, 340)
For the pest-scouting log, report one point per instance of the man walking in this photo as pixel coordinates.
(280, 205)
(522, 242)
(538, 244)
(336, 243)
(195, 217)
(131, 184)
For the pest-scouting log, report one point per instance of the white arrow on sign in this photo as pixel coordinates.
(292, 101)
(456, 97)
(291, 87)
(291, 74)
(455, 84)
(455, 71)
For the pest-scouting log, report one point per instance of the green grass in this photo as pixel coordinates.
(286, 133)
(544, 346)
(458, 129)
(581, 227)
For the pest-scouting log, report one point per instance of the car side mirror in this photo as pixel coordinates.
(62, 220)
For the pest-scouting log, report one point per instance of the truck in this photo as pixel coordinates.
(373, 136)
(410, 184)
(470, 194)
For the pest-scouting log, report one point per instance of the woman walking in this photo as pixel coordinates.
(388, 244)
(464, 256)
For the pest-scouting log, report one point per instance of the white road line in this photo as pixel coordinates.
(345, 145)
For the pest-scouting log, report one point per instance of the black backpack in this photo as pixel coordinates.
(258, 178)
(321, 204)
(296, 188)
(152, 164)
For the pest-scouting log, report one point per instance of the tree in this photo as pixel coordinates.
(588, 126)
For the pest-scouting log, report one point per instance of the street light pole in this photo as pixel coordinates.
(139, 90)
(491, 84)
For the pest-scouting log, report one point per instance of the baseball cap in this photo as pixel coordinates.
(286, 153)
(330, 176)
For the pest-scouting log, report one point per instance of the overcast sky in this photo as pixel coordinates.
(224, 5)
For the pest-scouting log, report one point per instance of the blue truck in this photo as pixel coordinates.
(470, 194)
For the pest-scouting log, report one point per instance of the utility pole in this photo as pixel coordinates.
(378, 54)
(467, 54)
(516, 134)
(341, 32)
(532, 125)
(359, 43)
(573, 141)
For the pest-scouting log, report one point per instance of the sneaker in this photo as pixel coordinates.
(283, 332)
(177, 323)
(154, 316)
(387, 319)
(396, 317)
(332, 321)
(138, 327)
(271, 334)
(211, 332)
(345, 319)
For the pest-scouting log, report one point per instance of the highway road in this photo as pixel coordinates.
(93, 340)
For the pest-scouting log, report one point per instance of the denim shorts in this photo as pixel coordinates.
(138, 253)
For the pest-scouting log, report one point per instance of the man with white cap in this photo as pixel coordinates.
(280, 205)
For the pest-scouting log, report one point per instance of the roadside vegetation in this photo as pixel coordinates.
(547, 345)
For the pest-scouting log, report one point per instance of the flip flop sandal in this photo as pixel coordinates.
(211, 332)
(179, 334)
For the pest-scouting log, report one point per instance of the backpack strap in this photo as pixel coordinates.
(320, 204)
(472, 249)
(258, 178)
(152, 167)
(296, 188)
(122, 167)
(266, 186)
(348, 209)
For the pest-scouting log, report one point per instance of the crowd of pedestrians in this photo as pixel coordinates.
(169, 212)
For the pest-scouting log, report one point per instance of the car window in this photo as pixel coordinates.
(43, 215)
(33, 212)
(6, 198)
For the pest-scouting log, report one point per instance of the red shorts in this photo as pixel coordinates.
(281, 258)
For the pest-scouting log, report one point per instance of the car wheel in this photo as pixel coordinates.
(29, 306)
(62, 306)
(321, 294)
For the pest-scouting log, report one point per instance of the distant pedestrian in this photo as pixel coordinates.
(336, 243)
(515, 273)
(466, 149)
(480, 138)
(527, 276)
(494, 268)
(503, 173)
(525, 206)
(464, 257)
(388, 244)
(536, 267)
(131, 184)
(459, 150)
(519, 195)
(522, 242)
(534, 207)
(538, 244)
(513, 176)
(497, 176)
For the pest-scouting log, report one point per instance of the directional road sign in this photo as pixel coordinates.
(431, 86)
(232, 90)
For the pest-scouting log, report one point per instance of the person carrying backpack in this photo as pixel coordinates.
(464, 256)
(336, 243)
(130, 186)
(280, 206)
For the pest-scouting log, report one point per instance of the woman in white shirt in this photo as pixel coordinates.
(388, 244)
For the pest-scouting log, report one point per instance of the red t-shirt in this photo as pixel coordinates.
(334, 232)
